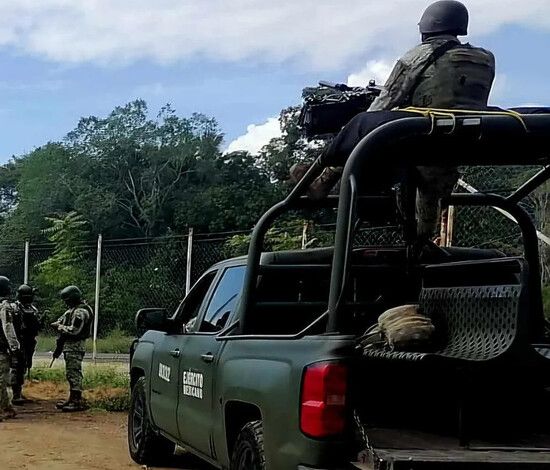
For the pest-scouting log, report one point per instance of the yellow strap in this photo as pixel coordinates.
(432, 113)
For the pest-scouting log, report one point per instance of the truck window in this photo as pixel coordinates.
(189, 308)
(224, 299)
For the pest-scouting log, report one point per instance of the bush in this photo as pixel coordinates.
(113, 403)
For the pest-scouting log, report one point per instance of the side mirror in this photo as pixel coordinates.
(151, 319)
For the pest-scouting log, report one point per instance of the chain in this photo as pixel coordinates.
(365, 440)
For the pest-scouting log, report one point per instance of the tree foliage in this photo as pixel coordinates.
(132, 176)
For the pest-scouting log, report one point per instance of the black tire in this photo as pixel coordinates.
(146, 446)
(248, 453)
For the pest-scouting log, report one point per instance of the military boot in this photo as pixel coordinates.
(78, 403)
(61, 404)
(18, 398)
(321, 187)
(323, 184)
(8, 413)
(297, 172)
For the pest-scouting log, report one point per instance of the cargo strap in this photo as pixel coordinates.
(433, 113)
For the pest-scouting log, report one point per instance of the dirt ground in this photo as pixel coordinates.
(42, 438)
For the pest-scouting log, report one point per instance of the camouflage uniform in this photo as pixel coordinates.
(9, 347)
(74, 325)
(460, 79)
(410, 85)
(405, 85)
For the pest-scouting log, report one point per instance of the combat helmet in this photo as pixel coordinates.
(25, 292)
(71, 295)
(445, 16)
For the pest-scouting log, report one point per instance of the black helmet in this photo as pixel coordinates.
(445, 16)
(25, 291)
(4, 286)
(71, 295)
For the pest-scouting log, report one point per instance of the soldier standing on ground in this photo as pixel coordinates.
(27, 323)
(74, 328)
(9, 348)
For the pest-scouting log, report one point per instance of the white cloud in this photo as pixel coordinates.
(499, 90)
(531, 105)
(256, 136)
(315, 33)
(378, 70)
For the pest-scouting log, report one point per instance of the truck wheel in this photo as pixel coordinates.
(248, 453)
(146, 446)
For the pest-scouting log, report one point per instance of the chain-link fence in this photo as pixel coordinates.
(138, 273)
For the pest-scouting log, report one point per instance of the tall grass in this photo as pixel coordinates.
(94, 376)
(115, 342)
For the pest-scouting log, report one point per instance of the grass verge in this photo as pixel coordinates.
(115, 342)
(105, 387)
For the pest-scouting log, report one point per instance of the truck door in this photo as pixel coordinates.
(164, 383)
(165, 375)
(198, 363)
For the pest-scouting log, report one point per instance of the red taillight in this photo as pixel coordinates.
(324, 399)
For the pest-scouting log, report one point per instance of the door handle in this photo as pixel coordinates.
(207, 357)
(175, 353)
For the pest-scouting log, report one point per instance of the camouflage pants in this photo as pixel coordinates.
(18, 373)
(5, 365)
(435, 183)
(73, 369)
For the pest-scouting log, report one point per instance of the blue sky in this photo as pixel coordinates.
(240, 61)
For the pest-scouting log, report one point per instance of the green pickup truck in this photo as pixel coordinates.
(260, 367)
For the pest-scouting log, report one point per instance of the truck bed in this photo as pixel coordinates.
(411, 450)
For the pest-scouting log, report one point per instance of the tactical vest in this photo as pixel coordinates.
(461, 79)
(29, 320)
(86, 330)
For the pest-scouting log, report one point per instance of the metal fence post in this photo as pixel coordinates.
(97, 287)
(26, 267)
(450, 225)
(305, 227)
(188, 261)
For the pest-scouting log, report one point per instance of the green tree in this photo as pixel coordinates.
(68, 264)
(291, 147)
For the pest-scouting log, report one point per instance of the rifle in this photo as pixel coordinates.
(58, 348)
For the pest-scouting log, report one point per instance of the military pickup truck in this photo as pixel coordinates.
(260, 366)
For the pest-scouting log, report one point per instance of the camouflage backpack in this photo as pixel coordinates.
(400, 328)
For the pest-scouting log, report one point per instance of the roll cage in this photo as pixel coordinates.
(479, 139)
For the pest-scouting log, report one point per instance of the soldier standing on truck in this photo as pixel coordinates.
(27, 323)
(74, 328)
(441, 72)
(9, 348)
